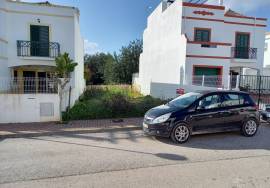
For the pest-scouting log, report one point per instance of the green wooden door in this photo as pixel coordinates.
(39, 36)
(242, 45)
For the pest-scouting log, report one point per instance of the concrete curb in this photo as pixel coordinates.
(67, 132)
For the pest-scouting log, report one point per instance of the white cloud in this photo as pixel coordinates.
(243, 6)
(90, 47)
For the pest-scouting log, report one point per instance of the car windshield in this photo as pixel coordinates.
(267, 109)
(185, 100)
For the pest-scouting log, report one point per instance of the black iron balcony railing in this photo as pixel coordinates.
(244, 53)
(38, 49)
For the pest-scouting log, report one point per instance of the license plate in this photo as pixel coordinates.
(145, 126)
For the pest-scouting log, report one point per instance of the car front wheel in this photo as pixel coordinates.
(180, 134)
(250, 128)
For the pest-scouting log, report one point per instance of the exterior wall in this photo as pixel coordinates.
(159, 59)
(223, 30)
(64, 28)
(266, 69)
(27, 108)
(4, 71)
(22, 15)
(170, 53)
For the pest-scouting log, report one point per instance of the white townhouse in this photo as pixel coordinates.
(266, 68)
(32, 35)
(189, 45)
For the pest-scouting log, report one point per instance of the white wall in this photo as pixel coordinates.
(4, 71)
(63, 22)
(266, 70)
(163, 54)
(222, 31)
(167, 60)
(19, 18)
(21, 108)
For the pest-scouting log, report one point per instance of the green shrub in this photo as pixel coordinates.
(118, 104)
(111, 102)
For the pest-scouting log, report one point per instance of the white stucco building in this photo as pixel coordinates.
(184, 42)
(266, 70)
(31, 36)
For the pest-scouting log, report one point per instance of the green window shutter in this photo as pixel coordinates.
(200, 71)
(39, 40)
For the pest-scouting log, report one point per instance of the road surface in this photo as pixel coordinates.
(130, 159)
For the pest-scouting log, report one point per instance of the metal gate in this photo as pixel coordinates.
(257, 86)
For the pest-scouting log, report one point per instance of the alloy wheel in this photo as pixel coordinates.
(251, 127)
(181, 133)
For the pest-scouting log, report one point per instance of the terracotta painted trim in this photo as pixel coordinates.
(226, 22)
(248, 24)
(208, 57)
(203, 6)
(263, 19)
(205, 19)
(211, 43)
(246, 17)
(204, 13)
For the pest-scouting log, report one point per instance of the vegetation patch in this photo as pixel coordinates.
(119, 101)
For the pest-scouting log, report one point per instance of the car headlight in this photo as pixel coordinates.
(268, 115)
(162, 119)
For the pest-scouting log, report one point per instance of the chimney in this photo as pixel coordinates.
(221, 2)
(166, 4)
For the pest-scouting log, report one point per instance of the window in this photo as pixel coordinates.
(202, 35)
(265, 46)
(185, 100)
(233, 100)
(210, 102)
(39, 36)
(213, 76)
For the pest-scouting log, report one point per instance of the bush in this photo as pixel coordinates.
(118, 104)
(111, 102)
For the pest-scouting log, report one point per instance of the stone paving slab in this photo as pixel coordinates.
(79, 127)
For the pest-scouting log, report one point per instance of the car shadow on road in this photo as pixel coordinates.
(110, 137)
(227, 141)
(168, 156)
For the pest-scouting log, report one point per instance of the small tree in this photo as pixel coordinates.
(64, 67)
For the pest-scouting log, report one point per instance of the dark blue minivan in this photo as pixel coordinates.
(203, 112)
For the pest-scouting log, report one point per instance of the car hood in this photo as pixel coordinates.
(161, 110)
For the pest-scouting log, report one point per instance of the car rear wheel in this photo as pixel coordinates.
(250, 128)
(180, 134)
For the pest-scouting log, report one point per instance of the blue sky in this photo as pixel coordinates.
(107, 25)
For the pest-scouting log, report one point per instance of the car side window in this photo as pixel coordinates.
(233, 100)
(209, 102)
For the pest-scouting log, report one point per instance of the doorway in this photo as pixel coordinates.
(29, 81)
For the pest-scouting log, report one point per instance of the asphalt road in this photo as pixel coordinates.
(130, 159)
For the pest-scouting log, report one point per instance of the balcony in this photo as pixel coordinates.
(244, 53)
(38, 49)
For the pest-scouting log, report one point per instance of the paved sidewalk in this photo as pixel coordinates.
(73, 127)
